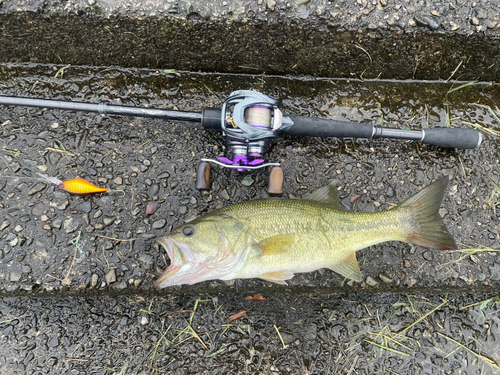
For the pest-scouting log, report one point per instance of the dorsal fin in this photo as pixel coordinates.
(327, 195)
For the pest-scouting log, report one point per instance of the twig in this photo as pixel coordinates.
(281, 338)
(422, 318)
(61, 71)
(489, 361)
(388, 348)
(58, 150)
(365, 51)
(115, 239)
(453, 73)
(176, 312)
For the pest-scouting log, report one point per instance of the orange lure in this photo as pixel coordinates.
(75, 186)
(80, 186)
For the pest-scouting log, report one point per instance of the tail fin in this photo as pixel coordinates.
(426, 226)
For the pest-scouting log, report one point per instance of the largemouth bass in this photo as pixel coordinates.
(272, 239)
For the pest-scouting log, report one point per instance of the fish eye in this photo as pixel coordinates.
(188, 231)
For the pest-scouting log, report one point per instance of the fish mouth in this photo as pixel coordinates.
(182, 267)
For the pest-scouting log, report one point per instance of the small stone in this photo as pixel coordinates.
(61, 206)
(490, 24)
(18, 228)
(53, 342)
(406, 263)
(108, 220)
(57, 222)
(225, 195)
(158, 224)
(47, 227)
(151, 208)
(111, 276)
(15, 167)
(163, 175)
(118, 180)
(386, 279)
(287, 337)
(14, 242)
(495, 272)
(37, 188)
(153, 191)
(44, 218)
(428, 255)
(85, 207)
(454, 26)
(43, 168)
(390, 192)
(54, 125)
(475, 21)
(311, 332)
(144, 320)
(71, 224)
(94, 280)
(371, 281)
(5, 224)
(247, 180)
(137, 282)
(120, 285)
(146, 259)
(16, 274)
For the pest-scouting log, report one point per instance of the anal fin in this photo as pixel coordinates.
(278, 277)
(348, 267)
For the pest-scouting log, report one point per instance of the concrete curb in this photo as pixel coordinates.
(351, 39)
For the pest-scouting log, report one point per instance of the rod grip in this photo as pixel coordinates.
(453, 138)
(318, 127)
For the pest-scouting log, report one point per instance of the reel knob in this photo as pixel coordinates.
(276, 181)
(203, 176)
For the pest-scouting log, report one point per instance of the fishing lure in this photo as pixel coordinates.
(75, 186)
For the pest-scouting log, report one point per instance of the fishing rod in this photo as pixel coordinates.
(250, 120)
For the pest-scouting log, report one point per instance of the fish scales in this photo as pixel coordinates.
(272, 239)
(322, 235)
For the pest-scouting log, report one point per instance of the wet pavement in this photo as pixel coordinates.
(95, 248)
(53, 241)
(285, 334)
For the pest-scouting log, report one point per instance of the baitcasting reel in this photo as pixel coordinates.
(249, 122)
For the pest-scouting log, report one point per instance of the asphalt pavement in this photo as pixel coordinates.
(76, 271)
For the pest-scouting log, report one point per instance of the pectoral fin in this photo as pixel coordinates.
(348, 267)
(276, 244)
(277, 277)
